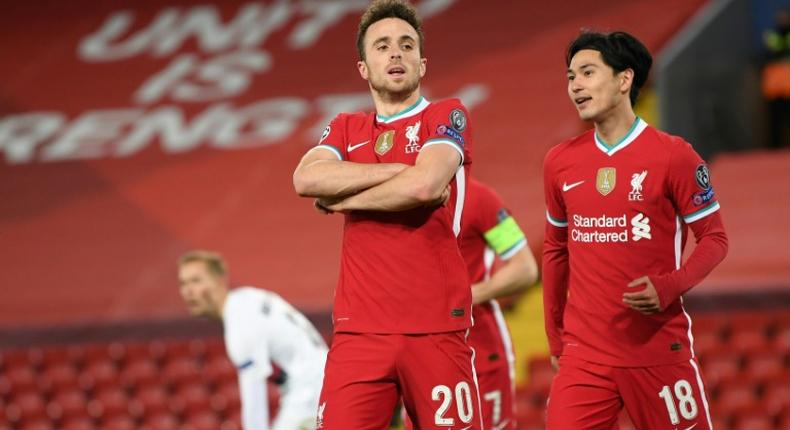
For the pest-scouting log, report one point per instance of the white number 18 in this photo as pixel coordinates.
(686, 402)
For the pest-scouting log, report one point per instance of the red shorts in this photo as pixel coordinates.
(590, 396)
(496, 392)
(366, 374)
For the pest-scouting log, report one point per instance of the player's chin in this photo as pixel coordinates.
(585, 115)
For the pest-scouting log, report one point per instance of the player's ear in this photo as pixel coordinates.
(363, 69)
(423, 65)
(626, 80)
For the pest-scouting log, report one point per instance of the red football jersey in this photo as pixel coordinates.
(487, 230)
(402, 272)
(626, 208)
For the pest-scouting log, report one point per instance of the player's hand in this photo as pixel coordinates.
(555, 363)
(442, 199)
(329, 205)
(645, 301)
(321, 208)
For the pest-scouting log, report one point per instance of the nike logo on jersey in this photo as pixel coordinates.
(353, 147)
(566, 186)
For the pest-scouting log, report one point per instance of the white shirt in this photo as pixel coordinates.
(261, 328)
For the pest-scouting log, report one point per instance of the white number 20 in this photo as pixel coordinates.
(463, 402)
(686, 402)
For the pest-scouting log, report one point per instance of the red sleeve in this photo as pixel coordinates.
(555, 260)
(333, 138)
(711, 249)
(449, 124)
(492, 208)
(693, 195)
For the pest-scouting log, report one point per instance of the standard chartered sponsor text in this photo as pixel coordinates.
(596, 236)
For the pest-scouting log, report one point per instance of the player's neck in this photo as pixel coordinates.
(613, 128)
(388, 104)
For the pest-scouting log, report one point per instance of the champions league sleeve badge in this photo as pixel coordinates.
(458, 120)
(703, 176)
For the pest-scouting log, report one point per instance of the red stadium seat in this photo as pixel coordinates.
(721, 368)
(78, 423)
(59, 376)
(26, 406)
(215, 347)
(764, 365)
(776, 395)
(153, 351)
(181, 369)
(154, 399)
(109, 402)
(195, 348)
(735, 397)
(13, 358)
(219, 369)
(118, 422)
(140, 371)
(41, 423)
(21, 378)
(228, 395)
(229, 424)
(706, 342)
(161, 421)
(782, 339)
(72, 404)
(753, 421)
(746, 339)
(99, 374)
(196, 397)
(202, 420)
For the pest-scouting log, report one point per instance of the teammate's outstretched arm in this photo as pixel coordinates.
(321, 174)
(425, 183)
(517, 273)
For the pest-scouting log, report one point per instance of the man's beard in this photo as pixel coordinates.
(390, 95)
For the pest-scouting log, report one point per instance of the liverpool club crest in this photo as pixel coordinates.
(606, 180)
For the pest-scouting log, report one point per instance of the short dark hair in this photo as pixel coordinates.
(214, 262)
(382, 9)
(620, 51)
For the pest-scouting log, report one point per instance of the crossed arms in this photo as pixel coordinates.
(342, 186)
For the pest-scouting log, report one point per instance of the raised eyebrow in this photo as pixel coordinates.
(383, 39)
(406, 38)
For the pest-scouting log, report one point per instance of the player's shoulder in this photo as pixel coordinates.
(242, 298)
(672, 144)
(481, 191)
(352, 117)
(451, 103)
(450, 113)
(568, 146)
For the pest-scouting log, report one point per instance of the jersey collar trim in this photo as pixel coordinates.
(414, 109)
(637, 128)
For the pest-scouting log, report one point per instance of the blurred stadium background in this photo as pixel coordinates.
(131, 132)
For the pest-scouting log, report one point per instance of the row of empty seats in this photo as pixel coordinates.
(190, 384)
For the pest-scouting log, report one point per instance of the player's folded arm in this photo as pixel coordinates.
(418, 185)
(322, 172)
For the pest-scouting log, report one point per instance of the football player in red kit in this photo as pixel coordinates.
(403, 303)
(620, 199)
(489, 231)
